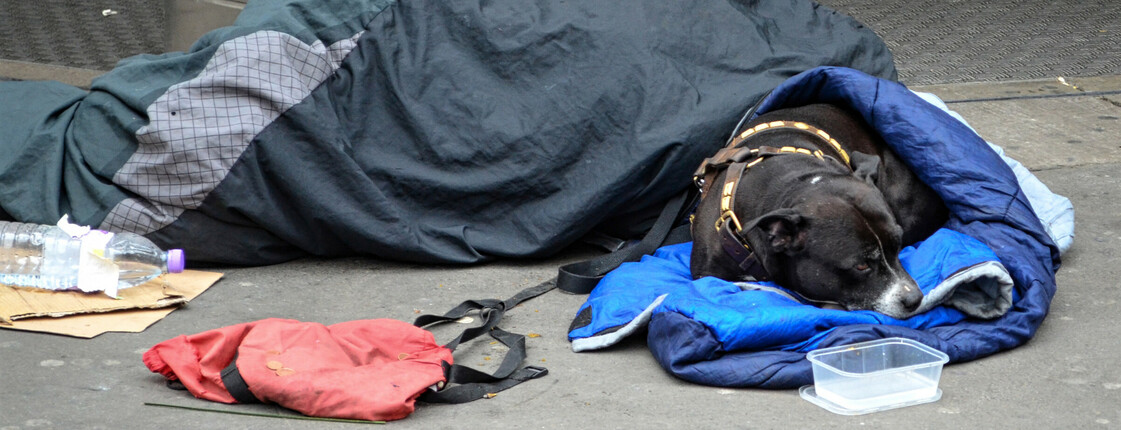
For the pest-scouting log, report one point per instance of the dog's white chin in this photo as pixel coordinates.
(896, 312)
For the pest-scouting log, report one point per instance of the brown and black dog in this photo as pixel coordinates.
(816, 202)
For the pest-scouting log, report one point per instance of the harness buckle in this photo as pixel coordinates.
(699, 182)
(728, 214)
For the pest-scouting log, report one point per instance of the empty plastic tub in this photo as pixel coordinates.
(874, 376)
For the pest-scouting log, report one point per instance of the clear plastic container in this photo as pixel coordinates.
(45, 256)
(874, 376)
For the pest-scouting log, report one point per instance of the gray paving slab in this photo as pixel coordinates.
(1110, 85)
(1050, 133)
(21, 70)
(1046, 123)
(974, 91)
(1097, 83)
(1068, 376)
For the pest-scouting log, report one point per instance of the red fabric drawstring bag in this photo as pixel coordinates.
(367, 369)
(311, 368)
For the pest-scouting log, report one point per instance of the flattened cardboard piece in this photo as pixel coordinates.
(21, 302)
(84, 315)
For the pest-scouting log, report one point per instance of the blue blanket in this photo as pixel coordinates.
(987, 276)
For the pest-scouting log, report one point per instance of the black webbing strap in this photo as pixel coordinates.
(236, 385)
(466, 392)
(467, 384)
(747, 116)
(490, 310)
(582, 277)
(471, 384)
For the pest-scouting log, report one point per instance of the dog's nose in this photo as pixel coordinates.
(911, 298)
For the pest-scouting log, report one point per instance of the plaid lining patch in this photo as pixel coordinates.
(199, 128)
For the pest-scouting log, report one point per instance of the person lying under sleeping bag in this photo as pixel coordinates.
(987, 275)
(423, 131)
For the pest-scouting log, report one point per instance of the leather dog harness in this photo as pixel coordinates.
(736, 159)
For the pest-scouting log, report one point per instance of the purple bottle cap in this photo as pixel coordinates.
(176, 261)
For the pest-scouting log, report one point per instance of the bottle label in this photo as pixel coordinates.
(96, 272)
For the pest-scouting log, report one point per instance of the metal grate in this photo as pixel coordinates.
(947, 41)
(75, 33)
(934, 41)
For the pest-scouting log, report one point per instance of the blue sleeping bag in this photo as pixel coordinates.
(988, 275)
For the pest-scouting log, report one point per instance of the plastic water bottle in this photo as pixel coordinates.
(46, 256)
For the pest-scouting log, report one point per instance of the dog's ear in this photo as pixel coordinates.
(782, 230)
(866, 167)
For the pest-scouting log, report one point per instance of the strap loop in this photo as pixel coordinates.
(582, 277)
(471, 384)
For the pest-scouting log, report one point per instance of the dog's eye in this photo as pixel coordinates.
(862, 267)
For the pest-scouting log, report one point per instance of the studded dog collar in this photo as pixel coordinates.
(734, 152)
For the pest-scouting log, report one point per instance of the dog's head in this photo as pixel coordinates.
(842, 246)
(835, 241)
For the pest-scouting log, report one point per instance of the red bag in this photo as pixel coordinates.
(367, 369)
(309, 367)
